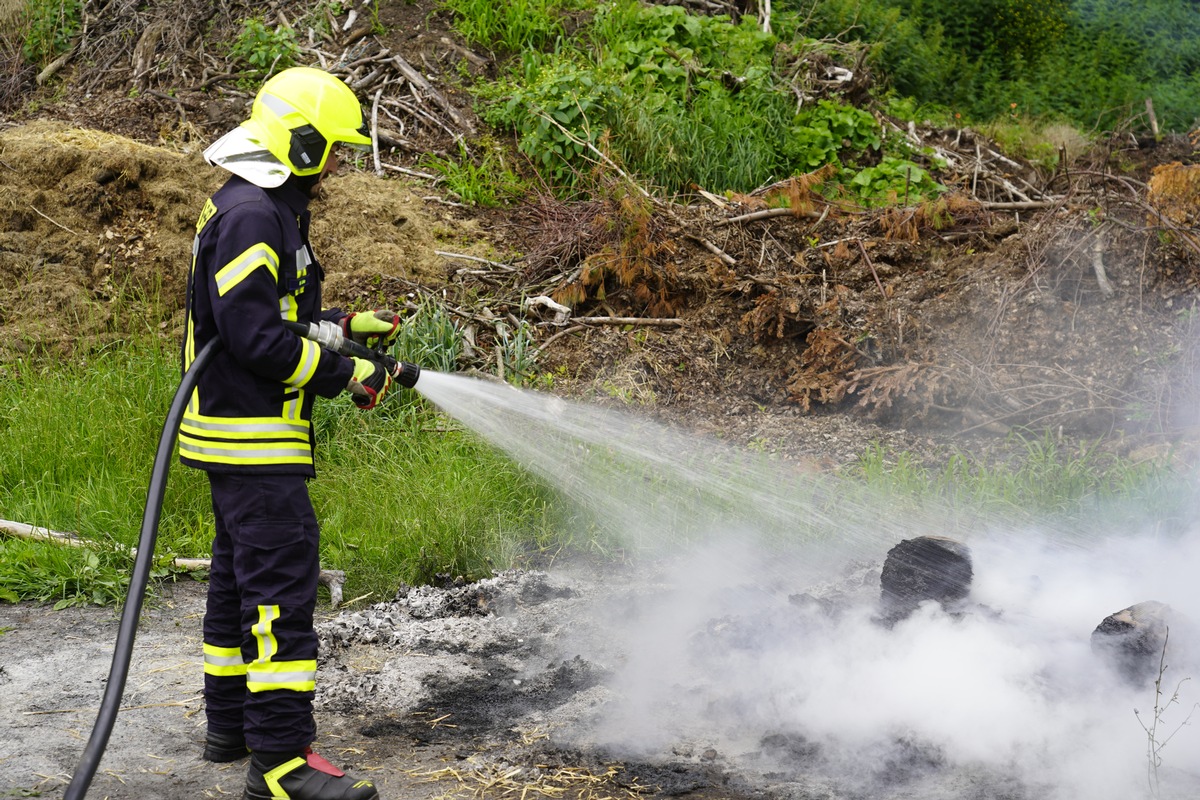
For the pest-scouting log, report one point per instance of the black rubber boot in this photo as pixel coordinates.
(308, 776)
(222, 747)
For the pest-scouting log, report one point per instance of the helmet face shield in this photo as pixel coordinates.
(242, 152)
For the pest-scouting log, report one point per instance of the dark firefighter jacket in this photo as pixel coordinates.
(252, 268)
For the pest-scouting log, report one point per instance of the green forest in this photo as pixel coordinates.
(731, 101)
(1089, 62)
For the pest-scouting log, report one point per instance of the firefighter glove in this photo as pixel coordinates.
(372, 329)
(369, 384)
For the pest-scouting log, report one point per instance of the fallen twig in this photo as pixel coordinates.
(375, 132)
(559, 335)
(414, 173)
(52, 220)
(716, 251)
(862, 249)
(495, 264)
(418, 80)
(1028, 205)
(1106, 287)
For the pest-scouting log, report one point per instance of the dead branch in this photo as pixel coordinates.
(331, 578)
(1106, 287)
(716, 251)
(469, 55)
(1027, 205)
(418, 80)
(664, 322)
(54, 66)
(495, 264)
(769, 213)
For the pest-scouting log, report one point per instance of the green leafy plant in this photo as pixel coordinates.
(819, 134)
(517, 353)
(51, 25)
(266, 50)
(893, 181)
(556, 109)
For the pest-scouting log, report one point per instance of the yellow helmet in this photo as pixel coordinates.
(300, 113)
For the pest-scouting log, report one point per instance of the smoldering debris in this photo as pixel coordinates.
(739, 685)
(1135, 641)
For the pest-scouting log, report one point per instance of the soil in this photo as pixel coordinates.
(812, 337)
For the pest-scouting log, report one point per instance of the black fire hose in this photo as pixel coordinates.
(123, 650)
(328, 335)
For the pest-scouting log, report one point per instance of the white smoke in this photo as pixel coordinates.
(734, 648)
(1009, 690)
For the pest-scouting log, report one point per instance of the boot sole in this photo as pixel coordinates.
(247, 794)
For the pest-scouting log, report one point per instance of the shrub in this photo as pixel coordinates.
(266, 50)
(51, 25)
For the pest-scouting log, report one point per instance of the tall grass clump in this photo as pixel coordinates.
(78, 459)
(512, 26)
(479, 179)
(429, 337)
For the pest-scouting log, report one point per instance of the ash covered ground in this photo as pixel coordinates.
(712, 676)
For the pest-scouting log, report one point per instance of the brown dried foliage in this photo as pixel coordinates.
(800, 190)
(906, 224)
(606, 247)
(823, 369)
(770, 315)
(922, 387)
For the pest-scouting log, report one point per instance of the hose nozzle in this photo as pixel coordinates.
(406, 374)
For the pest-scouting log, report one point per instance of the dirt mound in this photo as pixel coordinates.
(91, 225)
(96, 231)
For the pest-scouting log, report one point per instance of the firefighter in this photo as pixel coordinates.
(248, 426)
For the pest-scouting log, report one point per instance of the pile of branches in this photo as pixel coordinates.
(166, 51)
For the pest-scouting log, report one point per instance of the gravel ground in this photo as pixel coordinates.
(690, 679)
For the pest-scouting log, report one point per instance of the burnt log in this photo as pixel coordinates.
(925, 568)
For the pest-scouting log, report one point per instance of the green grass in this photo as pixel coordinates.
(1082, 487)
(513, 26)
(405, 496)
(401, 495)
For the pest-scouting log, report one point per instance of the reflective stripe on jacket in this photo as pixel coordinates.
(252, 268)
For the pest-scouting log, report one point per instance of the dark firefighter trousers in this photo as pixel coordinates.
(260, 650)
